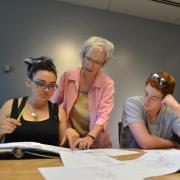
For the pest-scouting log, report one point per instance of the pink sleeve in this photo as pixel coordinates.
(106, 104)
(59, 93)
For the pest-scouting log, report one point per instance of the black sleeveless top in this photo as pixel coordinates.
(46, 131)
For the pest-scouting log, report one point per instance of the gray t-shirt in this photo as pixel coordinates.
(165, 124)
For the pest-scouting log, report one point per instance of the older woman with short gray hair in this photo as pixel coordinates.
(87, 96)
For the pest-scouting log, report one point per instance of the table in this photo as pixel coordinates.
(26, 169)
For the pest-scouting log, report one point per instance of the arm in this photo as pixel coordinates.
(66, 134)
(170, 101)
(146, 140)
(62, 123)
(106, 104)
(7, 125)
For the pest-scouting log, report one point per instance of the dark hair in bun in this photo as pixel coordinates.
(37, 64)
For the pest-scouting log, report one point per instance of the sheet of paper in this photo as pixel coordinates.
(159, 162)
(82, 159)
(110, 152)
(156, 150)
(115, 172)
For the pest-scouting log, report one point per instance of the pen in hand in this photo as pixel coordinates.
(20, 115)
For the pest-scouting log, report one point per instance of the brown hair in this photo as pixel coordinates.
(168, 88)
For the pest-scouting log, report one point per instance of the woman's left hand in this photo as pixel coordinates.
(84, 143)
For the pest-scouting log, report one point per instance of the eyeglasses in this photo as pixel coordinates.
(43, 85)
(93, 61)
(162, 82)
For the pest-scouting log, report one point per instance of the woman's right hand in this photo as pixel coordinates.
(8, 125)
(71, 135)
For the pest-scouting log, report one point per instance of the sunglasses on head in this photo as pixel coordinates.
(162, 82)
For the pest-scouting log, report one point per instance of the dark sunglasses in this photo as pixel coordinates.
(162, 82)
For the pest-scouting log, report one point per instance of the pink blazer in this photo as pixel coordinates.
(100, 97)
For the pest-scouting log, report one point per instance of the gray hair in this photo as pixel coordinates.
(98, 42)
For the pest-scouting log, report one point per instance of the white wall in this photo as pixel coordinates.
(50, 28)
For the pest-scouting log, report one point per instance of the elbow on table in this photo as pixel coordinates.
(146, 144)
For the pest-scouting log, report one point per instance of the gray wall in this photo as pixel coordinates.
(50, 28)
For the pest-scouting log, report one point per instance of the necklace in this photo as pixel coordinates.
(34, 113)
